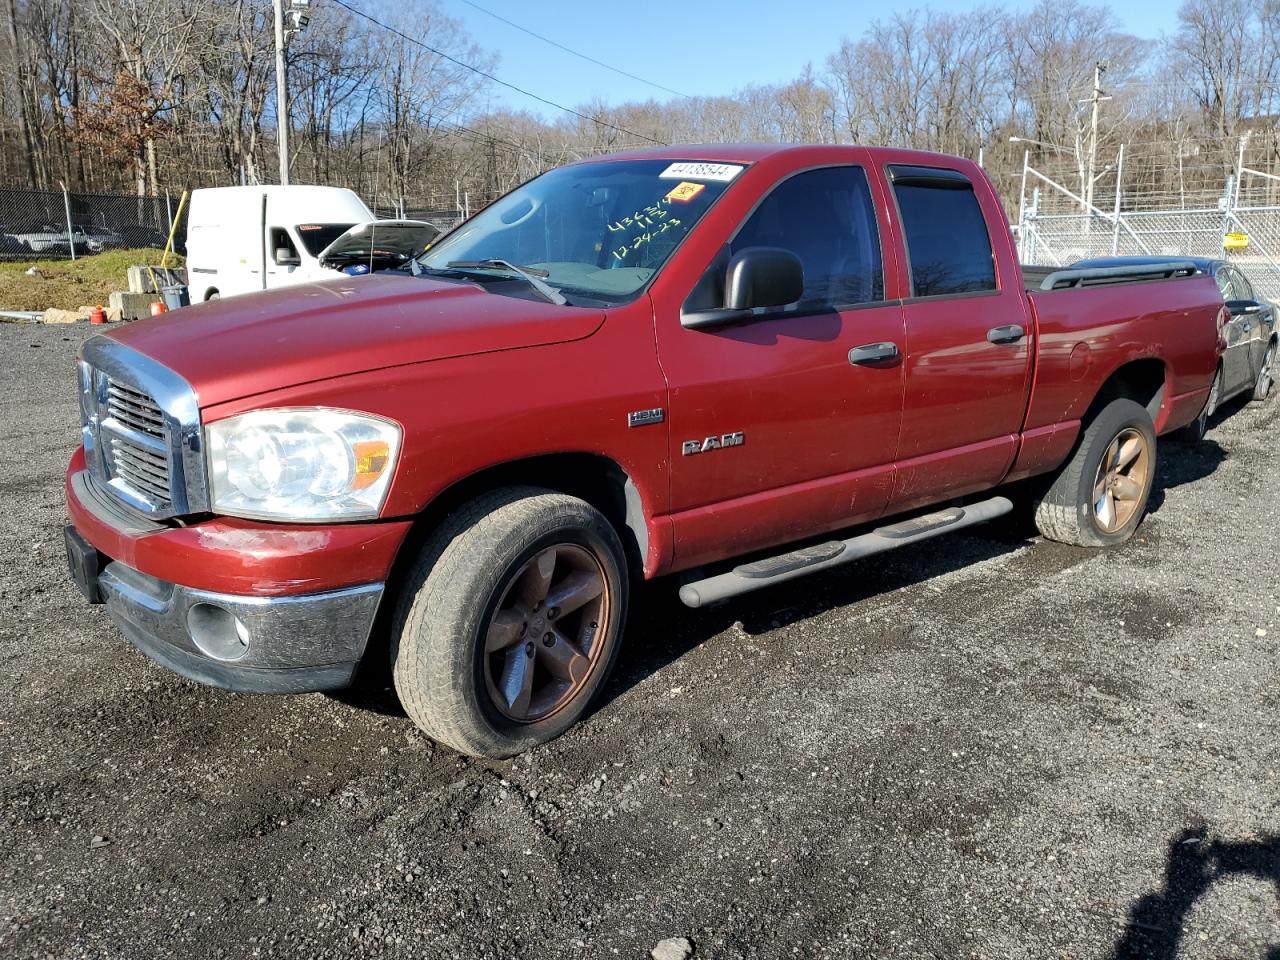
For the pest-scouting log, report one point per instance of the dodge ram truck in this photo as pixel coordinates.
(740, 364)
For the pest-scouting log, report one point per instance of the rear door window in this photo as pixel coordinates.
(948, 246)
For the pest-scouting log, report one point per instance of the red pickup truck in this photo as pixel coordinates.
(629, 367)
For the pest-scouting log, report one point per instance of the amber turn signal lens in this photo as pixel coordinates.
(372, 457)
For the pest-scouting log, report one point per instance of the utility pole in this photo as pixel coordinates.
(297, 14)
(282, 93)
(1096, 98)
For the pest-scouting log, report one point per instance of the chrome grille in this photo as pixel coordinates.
(136, 442)
(141, 431)
(134, 408)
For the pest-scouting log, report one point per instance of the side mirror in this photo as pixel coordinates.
(755, 277)
(763, 277)
(1242, 308)
(286, 258)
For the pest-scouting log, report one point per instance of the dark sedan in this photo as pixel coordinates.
(1248, 365)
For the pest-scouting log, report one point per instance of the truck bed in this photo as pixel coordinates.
(1040, 278)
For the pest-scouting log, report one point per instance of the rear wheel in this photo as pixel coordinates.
(1099, 496)
(510, 621)
(1266, 376)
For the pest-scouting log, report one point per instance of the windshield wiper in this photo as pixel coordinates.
(531, 274)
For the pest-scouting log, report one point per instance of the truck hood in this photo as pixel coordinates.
(241, 346)
(398, 239)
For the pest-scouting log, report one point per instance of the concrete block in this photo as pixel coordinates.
(140, 278)
(131, 306)
(54, 315)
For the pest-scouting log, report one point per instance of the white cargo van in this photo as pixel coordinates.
(242, 239)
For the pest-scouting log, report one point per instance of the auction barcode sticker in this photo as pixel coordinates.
(722, 172)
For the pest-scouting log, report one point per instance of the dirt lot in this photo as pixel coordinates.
(988, 746)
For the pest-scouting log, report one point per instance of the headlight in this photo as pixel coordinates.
(301, 464)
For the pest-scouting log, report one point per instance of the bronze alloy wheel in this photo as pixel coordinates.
(1124, 473)
(546, 633)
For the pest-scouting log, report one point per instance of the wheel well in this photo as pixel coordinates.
(1140, 380)
(596, 479)
(211, 292)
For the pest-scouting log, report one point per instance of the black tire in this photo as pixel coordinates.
(452, 595)
(1266, 375)
(212, 295)
(1195, 431)
(1067, 512)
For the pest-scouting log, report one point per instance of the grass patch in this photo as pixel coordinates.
(68, 284)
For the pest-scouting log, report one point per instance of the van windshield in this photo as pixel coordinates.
(596, 229)
(316, 236)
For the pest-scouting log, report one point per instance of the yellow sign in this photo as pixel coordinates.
(685, 191)
(1235, 241)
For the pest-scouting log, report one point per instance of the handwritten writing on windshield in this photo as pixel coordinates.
(654, 220)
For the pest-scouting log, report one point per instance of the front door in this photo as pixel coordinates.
(777, 432)
(1245, 341)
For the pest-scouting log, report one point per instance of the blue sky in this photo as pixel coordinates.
(704, 48)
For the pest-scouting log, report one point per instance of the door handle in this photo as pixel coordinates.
(871, 353)
(1009, 333)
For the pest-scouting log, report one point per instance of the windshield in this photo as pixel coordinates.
(599, 229)
(316, 236)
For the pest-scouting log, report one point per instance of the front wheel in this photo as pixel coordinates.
(510, 621)
(1100, 495)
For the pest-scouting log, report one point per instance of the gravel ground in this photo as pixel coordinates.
(983, 746)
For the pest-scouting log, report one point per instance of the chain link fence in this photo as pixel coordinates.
(1062, 239)
(53, 224)
(1242, 227)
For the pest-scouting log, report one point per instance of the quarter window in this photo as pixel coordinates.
(827, 219)
(948, 246)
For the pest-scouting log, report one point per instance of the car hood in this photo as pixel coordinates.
(396, 238)
(241, 346)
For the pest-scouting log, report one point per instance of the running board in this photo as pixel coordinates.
(824, 556)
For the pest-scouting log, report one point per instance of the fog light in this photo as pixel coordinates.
(217, 632)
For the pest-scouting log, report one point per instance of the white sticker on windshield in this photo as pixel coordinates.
(722, 172)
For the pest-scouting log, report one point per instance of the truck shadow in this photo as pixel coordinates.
(1193, 863)
(1179, 463)
(661, 629)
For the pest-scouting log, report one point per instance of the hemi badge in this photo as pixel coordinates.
(639, 418)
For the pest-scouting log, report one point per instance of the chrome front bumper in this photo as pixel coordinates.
(288, 644)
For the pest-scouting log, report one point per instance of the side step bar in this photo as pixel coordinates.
(824, 556)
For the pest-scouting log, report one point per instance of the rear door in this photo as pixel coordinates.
(777, 431)
(969, 338)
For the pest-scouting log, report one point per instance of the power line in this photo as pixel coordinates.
(561, 46)
(489, 76)
(471, 133)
